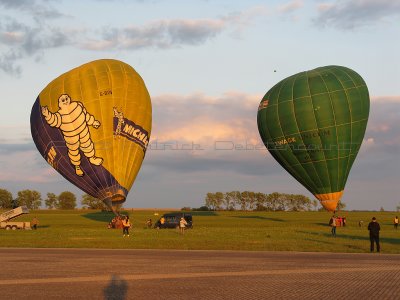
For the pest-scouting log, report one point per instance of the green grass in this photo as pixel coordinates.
(265, 231)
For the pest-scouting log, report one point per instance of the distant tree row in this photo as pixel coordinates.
(250, 201)
(33, 200)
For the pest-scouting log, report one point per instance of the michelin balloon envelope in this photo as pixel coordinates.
(313, 124)
(93, 124)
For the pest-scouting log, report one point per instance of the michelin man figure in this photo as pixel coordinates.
(74, 121)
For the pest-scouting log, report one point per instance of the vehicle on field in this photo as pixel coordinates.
(171, 220)
(6, 217)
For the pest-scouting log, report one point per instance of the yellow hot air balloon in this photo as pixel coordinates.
(93, 124)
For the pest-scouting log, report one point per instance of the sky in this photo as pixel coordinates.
(207, 64)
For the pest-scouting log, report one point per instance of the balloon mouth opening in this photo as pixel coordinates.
(118, 198)
(114, 199)
(329, 200)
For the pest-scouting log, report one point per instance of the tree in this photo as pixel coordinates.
(229, 199)
(51, 201)
(298, 203)
(272, 201)
(66, 200)
(260, 201)
(219, 198)
(201, 208)
(251, 200)
(236, 196)
(30, 198)
(315, 204)
(6, 199)
(210, 201)
(92, 202)
(341, 206)
(244, 200)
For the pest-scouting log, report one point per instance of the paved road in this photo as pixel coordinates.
(163, 274)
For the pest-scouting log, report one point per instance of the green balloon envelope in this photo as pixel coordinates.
(313, 124)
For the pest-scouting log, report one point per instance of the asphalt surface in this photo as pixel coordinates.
(166, 274)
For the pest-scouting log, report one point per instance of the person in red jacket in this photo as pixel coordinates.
(374, 229)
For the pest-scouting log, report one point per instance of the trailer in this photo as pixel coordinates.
(6, 217)
(15, 225)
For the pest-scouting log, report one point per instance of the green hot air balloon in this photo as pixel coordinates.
(313, 124)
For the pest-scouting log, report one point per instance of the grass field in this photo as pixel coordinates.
(265, 231)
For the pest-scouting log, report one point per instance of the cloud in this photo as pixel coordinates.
(28, 38)
(21, 163)
(385, 99)
(381, 144)
(6, 149)
(349, 14)
(165, 34)
(32, 7)
(290, 6)
(14, 134)
(198, 133)
(31, 36)
(206, 119)
(202, 133)
(160, 34)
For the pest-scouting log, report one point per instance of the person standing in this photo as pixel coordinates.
(396, 222)
(374, 229)
(35, 223)
(182, 225)
(149, 223)
(126, 224)
(333, 223)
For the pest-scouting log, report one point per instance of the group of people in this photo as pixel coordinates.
(116, 222)
(335, 222)
(373, 228)
(124, 223)
(182, 224)
(120, 222)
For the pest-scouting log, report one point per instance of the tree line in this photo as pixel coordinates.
(254, 201)
(33, 200)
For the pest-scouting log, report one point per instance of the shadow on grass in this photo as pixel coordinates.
(100, 216)
(333, 242)
(259, 217)
(393, 241)
(203, 213)
(318, 241)
(195, 213)
(322, 224)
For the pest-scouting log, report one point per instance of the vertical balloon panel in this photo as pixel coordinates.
(93, 125)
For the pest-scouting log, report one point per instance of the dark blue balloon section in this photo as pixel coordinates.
(97, 181)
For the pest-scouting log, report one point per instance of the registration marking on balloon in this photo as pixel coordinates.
(263, 105)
